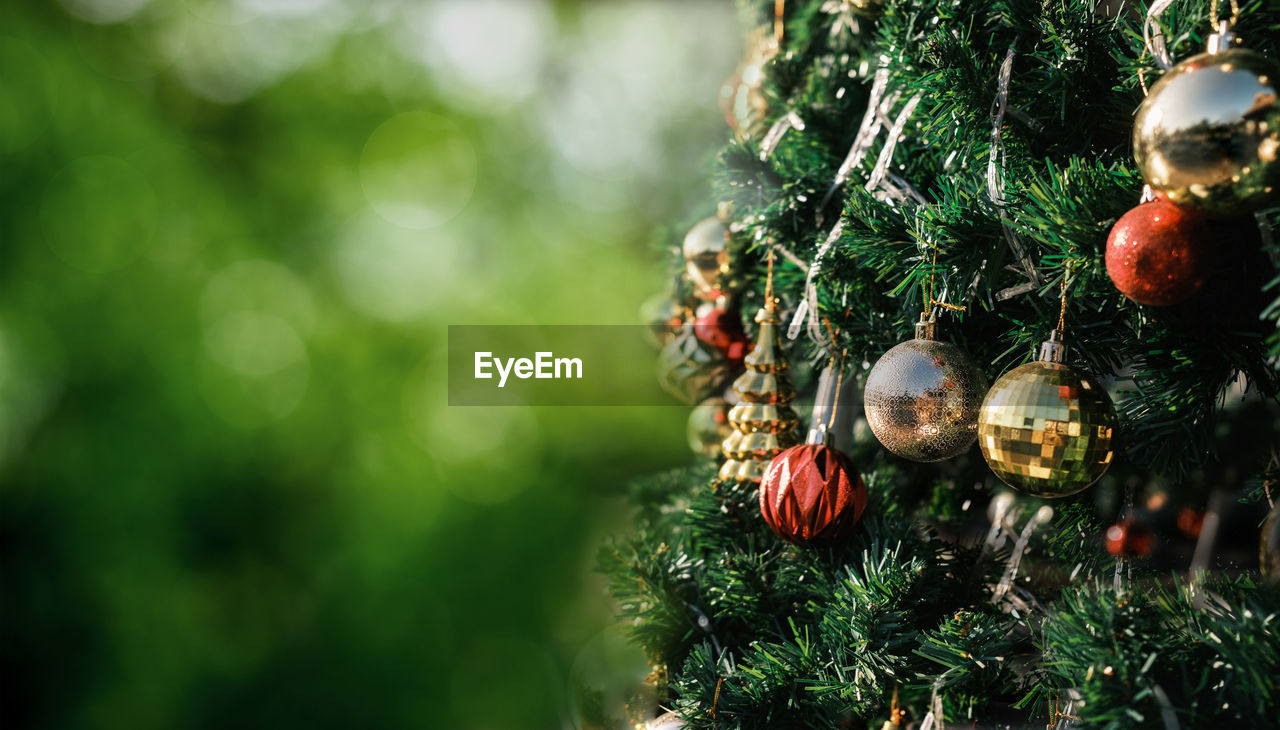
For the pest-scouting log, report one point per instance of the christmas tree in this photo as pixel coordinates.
(978, 162)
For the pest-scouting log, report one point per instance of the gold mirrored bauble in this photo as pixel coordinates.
(1269, 547)
(1046, 430)
(922, 400)
(706, 258)
(1208, 134)
(690, 369)
(709, 426)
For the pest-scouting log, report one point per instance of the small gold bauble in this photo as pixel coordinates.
(866, 8)
(664, 317)
(922, 399)
(709, 426)
(1269, 547)
(742, 97)
(1208, 134)
(706, 258)
(690, 369)
(1046, 429)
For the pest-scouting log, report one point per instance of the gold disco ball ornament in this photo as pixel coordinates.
(1208, 133)
(922, 397)
(706, 258)
(1045, 428)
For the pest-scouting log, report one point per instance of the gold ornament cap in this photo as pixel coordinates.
(1054, 349)
(1223, 39)
(927, 328)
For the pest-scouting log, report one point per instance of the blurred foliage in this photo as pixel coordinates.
(231, 494)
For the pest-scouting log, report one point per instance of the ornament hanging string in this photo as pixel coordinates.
(930, 300)
(1214, 17)
(768, 284)
(1062, 310)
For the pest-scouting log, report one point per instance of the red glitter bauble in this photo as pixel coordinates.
(1129, 539)
(1158, 253)
(812, 493)
(722, 329)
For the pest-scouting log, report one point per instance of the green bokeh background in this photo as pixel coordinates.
(234, 233)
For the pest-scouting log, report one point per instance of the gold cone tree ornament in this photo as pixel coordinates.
(763, 422)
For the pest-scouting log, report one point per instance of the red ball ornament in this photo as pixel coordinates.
(812, 493)
(1190, 521)
(722, 329)
(1158, 253)
(1129, 539)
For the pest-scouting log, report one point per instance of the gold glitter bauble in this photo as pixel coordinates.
(1208, 133)
(1269, 548)
(706, 258)
(1046, 429)
(709, 426)
(922, 399)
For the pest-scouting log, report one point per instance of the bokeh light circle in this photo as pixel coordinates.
(259, 285)
(253, 344)
(99, 214)
(104, 11)
(418, 170)
(31, 81)
(394, 273)
(257, 368)
(503, 682)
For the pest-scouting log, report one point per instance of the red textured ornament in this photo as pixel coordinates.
(722, 329)
(1158, 253)
(812, 493)
(1129, 539)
